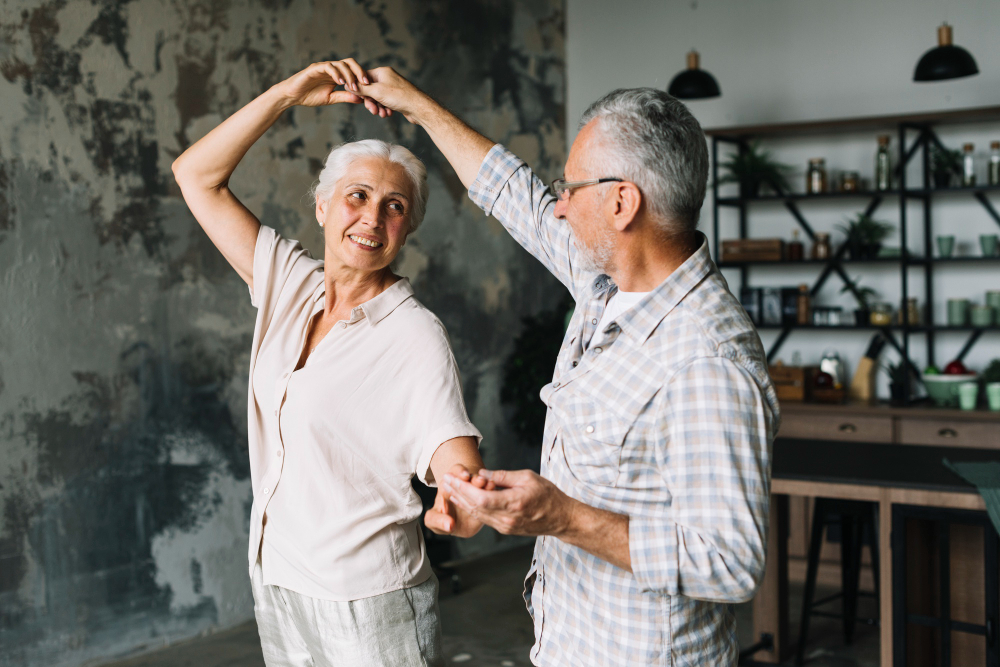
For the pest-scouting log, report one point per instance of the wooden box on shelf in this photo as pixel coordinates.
(793, 383)
(753, 250)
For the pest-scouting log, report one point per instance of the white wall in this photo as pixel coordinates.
(789, 60)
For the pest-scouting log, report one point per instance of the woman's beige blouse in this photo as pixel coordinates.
(334, 445)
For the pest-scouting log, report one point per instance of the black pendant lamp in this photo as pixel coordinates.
(694, 83)
(947, 61)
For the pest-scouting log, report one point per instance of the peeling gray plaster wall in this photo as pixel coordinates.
(124, 335)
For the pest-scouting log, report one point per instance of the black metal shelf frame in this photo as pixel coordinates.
(923, 139)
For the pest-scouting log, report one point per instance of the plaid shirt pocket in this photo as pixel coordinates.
(593, 453)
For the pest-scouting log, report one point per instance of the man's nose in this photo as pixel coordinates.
(560, 209)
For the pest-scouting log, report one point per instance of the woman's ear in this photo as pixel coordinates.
(321, 205)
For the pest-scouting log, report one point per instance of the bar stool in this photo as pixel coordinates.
(858, 520)
(943, 519)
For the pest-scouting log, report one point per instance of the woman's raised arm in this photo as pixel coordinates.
(204, 169)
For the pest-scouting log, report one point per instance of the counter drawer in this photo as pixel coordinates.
(854, 428)
(945, 433)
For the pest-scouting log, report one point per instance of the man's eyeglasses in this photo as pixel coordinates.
(561, 187)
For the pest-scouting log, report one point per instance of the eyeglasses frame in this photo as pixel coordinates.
(561, 185)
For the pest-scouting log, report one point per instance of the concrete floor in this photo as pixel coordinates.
(486, 625)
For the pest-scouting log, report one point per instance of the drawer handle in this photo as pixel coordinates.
(848, 428)
(948, 433)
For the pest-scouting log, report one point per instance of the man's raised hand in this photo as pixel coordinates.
(318, 85)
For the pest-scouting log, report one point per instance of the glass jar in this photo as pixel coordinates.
(881, 315)
(821, 248)
(835, 316)
(912, 311)
(795, 250)
(816, 176)
(882, 165)
(968, 166)
(849, 181)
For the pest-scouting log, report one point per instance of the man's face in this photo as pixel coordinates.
(585, 211)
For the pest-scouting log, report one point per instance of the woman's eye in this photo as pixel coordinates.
(396, 207)
(358, 195)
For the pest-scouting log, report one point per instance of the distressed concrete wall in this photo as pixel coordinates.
(124, 335)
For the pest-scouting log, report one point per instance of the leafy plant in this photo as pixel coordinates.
(945, 161)
(992, 372)
(754, 166)
(529, 367)
(863, 295)
(865, 230)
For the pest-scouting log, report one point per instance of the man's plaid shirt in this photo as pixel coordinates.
(667, 417)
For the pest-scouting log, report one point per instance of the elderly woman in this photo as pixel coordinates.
(353, 391)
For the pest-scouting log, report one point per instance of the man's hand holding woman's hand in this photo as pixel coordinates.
(319, 85)
(381, 90)
(444, 518)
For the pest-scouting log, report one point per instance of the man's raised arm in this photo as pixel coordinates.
(463, 147)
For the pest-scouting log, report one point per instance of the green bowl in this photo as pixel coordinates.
(943, 389)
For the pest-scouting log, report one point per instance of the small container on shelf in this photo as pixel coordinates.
(821, 248)
(804, 309)
(881, 315)
(958, 312)
(816, 176)
(968, 165)
(795, 250)
(882, 164)
(850, 181)
(981, 316)
(912, 311)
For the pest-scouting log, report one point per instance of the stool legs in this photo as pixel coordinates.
(815, 544)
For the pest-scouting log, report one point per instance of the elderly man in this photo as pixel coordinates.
(651, 507)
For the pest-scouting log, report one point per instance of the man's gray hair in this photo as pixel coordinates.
(341, 157)
(649, 138)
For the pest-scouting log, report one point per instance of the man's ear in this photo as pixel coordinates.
(625, 200)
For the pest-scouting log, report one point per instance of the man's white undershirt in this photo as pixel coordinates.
(619, 303)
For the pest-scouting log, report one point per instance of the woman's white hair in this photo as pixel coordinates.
(341, 157)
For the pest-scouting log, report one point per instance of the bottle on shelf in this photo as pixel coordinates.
(882, 166)
(804, 309)
(816, 176)
(968, 166)
(796, 252)
(994, 178)
(821, 248)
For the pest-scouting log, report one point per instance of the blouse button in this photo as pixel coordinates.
(278, 453)
(266, 490)
(590, 428)
(285, 375)
(343, 325)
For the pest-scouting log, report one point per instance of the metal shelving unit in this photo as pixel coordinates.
(916, 137)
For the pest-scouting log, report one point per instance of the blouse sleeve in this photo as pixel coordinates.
(280, 266)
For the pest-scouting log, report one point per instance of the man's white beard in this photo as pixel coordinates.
(598, 258)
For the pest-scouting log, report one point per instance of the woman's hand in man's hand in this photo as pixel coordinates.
(317, 85)
(387, 87)
(444, 518)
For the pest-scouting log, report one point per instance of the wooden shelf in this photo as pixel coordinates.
(823, 262)
(918, 193)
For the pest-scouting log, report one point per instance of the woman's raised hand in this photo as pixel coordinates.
(319, 85)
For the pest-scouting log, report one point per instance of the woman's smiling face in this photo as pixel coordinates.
(367, 218)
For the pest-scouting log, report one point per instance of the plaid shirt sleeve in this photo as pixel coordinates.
(509, 191)
(713, 454)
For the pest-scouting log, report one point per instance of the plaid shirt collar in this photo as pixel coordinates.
(639, 323)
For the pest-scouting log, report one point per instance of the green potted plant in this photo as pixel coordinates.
(753, 167)
(901, 382)
(864, 235)
(865, 296)
(991, 378)
(945, 165)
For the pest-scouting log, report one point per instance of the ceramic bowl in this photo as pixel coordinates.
(943, 389)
